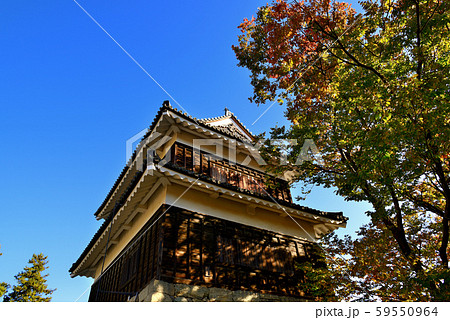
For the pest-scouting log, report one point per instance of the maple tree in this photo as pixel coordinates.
(371, 268)
(372, 91)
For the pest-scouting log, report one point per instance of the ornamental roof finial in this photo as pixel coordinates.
(228, 112)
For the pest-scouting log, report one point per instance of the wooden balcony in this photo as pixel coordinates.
(230, 175)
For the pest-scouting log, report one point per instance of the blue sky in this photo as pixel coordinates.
(70, 98)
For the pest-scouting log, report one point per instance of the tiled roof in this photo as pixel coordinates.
(201, 122)
(110, 193)
(229, 128)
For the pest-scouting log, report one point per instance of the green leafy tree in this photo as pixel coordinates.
(316, 275)
(371, 268)
(31, 283)
(3, 288)
(372, 91)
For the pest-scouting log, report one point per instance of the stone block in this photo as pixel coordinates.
(159, 297)
(245, 296)
(198, 300)
(181, 299)
(161, 286)
(291, 299)
(269, 297)
(197, 292)
(143, 295)
(220, 295)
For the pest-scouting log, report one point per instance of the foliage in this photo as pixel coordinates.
(371, 268)
(374, 269)
(3, 286)
(372, 91)
(316, 276)
(31, 284)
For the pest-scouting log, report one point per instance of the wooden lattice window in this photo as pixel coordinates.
(129, 267)
(222, 171)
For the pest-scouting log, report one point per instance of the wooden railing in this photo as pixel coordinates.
(223, 172)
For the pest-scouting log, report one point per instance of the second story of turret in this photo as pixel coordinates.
(218, 150)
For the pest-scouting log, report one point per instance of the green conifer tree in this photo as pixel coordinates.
(31, 283)
(3, 286)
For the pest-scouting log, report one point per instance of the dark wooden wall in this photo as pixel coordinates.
(203, 250)
(180, 246)
(139, 263)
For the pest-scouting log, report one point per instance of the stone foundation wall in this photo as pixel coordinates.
(160, 291)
